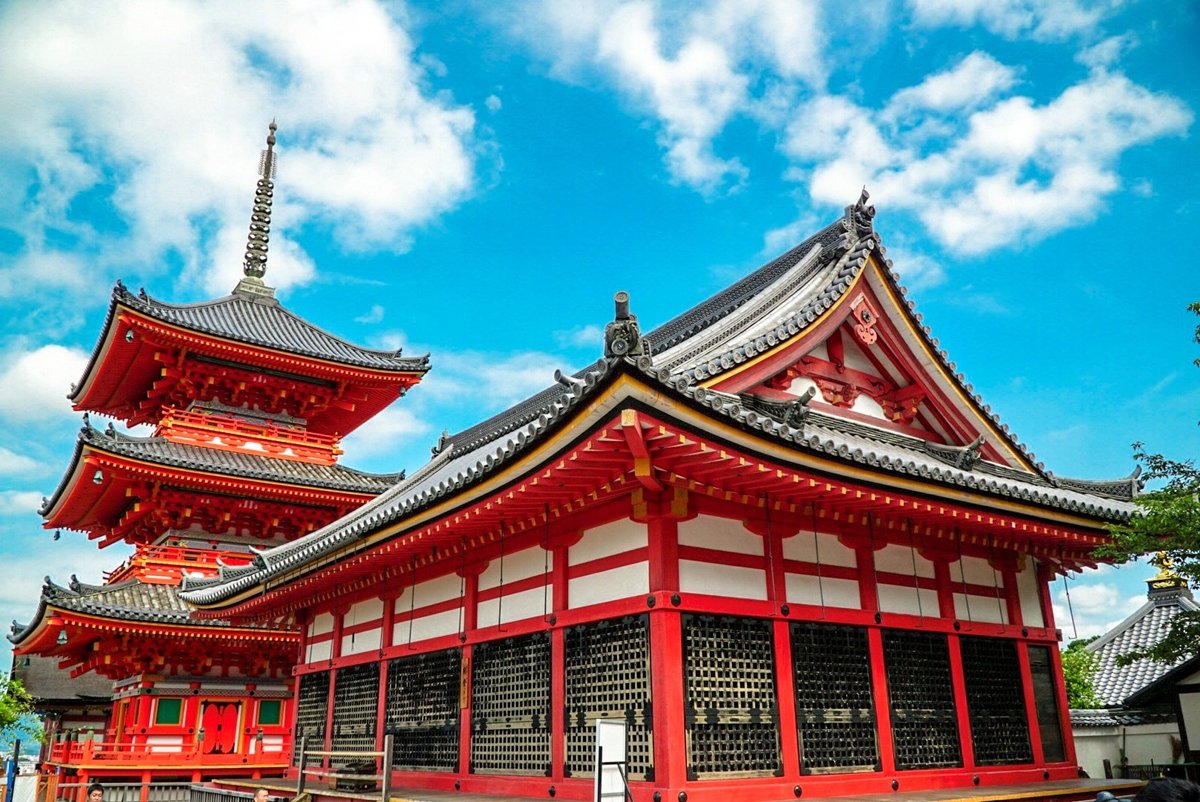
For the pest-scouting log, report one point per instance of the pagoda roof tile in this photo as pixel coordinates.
(256, 320)
(161, 451)
(131, 601)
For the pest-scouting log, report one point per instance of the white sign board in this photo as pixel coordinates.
(610, 759)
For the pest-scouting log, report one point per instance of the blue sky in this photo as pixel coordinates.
(475, 180)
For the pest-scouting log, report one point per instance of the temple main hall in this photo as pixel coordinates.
(779, 538)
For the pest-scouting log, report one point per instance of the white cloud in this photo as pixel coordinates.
(493, 103)
(18, 502)
(966, 86)
(374, 315)
(34, 384)
(131, 106)
(691, 68)
(581, 337)
(14, 464)
(1012, 172)
(1093, 608)
(1106, 53)
(1041, 20)
(391, 431)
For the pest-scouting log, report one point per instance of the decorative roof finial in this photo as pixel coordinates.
(255, 263)
(622, 337)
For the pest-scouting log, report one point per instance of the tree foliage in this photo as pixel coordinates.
(1079, 672)
(1168, 523)
(16, 711)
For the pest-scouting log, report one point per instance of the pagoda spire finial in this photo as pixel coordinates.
(255, 263)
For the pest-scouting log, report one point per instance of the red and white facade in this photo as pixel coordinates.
(778, 537)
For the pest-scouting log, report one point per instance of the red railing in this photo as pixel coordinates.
(236, 434)
(167, 564)
(110, 754)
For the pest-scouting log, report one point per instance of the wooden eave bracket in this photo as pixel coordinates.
(635, 438)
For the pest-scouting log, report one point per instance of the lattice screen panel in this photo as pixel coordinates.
(311, 706)
(422, 710)
(995, 701)
(355, 710)
(510, 706)
(924, 723)
(730, 709)
(608, 676)
(835, 710)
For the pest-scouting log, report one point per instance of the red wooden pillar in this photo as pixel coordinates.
(1046, 577)
(883, 704)
(1012, 595)
(773, 531)
(1064, 718)
(661, 513)
(385, 640)
(470, 603)
(335, 651)
(1031, 719)
(559, 589)
(959, 684)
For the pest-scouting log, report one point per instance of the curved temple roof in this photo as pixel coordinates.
(161, 451)
(772, 305)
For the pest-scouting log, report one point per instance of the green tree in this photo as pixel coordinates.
(1079, 672)
(1168, 522)
(16, 712)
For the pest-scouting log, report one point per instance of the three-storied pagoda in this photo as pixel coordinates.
(780, 538)
(249, 403)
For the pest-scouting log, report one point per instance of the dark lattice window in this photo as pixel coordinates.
(730, 709)
(924, 721)
(422, 710)
(311, 705)
(995, 701)
(1045, 701)
(608, 676)
(835, 709)
(355, 710)
(510, 706)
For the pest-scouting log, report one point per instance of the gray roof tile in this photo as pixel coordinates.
(1145, 627)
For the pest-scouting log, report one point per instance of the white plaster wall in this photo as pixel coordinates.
(723, 534)
(897, 559)
(319, 651)
(1027, 592)
(983, 608)
(805, 589)
(801, 385)
(616, 537)
(978, 570)
(1189, 703)
(1144, 743)
(865, 405)
(517, 565)
(165, 743)
(269, 743)
(363, 611)
(1191, 679)
(722, 580)
(604, 586)
(437, 625)
(802, 549)
(366, 641)
(516, 607)
(901, 599)
(321, 624)
(444, 588)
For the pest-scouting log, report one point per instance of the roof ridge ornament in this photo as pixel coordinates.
(255, 263)
(622, 337)
(963, 457)
(861, 214)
